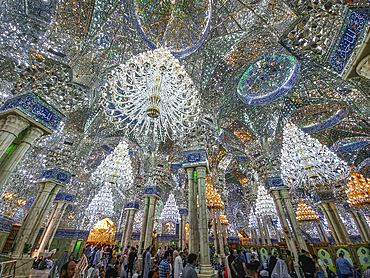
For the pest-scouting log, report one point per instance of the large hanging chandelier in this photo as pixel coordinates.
(100, 206)
(213, 198)
(358, 192)
(305, 213)
(116, 168)
(224, 220)
(306, 163)
(252, 220)
(151, 94)
(170, 212)
(265, 205)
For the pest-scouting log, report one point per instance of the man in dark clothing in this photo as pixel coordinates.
(154, 270)
(230, 260)
(42, 264)
(272, 263)
(239, 266)
(307, 264)
(189, 271)
(131, 260)
(256, 264)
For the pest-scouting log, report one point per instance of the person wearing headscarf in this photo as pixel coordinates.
(280, 270)
(57, 267)
(264, 272)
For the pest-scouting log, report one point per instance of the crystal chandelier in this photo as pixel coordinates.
(213, 198)
(116, 168)
(306, 163)
(151, 94)
(12, 202)
(305, 213)
(170, 212)
(138, 221)
(224, 220)
(265, 205)
(100, 206)
(358, 192)
(252, 220)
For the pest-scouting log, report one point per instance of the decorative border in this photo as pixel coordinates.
(275, 182)
(233, 239)
(176, 165)
(6, 223)
(155, 190)
(332, 121)
(55, 175)
(132, 205)
(135, 236)
(118, 236)
(72, 234)
(64, 197)
(167, 238)
(243, 158)
(183, 211)
(322, 197)
(179, 54)
(36, 108)
(107, 148)
(347, 40)
(279, 92)
(350, 144)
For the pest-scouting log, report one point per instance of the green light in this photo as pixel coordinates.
(195, 176)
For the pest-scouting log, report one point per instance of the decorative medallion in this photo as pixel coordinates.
(268, 78)
(181, 26)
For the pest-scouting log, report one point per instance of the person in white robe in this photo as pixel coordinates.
(148, 257)
(178, 265)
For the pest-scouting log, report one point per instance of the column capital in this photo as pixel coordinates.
(32, 134)
(201, 170)
(15, 125)
(55, 175)
(132, 206)
(48, 186)
(64, 197)
(321, 197)
(195, 158)
(189, 170)
(152, 191)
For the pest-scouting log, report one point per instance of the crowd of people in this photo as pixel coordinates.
(170, 262)
(42, 263)
(245, 263)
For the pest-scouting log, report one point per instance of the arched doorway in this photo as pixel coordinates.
(102, 232)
